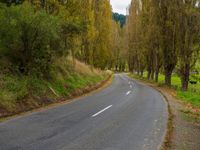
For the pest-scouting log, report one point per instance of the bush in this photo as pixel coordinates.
(28, 38)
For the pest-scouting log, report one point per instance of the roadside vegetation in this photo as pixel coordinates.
(53, 50)
(163, 37)
(192, 96)
(20, 93)
(163, 44)
(42, 42)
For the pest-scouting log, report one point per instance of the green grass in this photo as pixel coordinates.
(63, 80)
(74, 81)
(12, 90)
(176, 82)
(192, 96)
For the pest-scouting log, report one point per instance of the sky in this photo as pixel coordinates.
(120, 6)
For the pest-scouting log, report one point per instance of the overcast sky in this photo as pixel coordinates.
(120, 5)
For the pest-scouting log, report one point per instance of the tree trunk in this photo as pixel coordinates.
(149, 72)
(116, 68)
(185, 74)
(138, 72)
(156, 75)
(158, 66)
(152, 74)
(168, 75)
(141, 73)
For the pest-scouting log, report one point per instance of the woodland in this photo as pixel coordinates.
(43, 42)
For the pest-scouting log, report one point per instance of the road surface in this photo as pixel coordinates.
(124, 116)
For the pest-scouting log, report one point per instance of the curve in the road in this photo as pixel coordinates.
(124, 116)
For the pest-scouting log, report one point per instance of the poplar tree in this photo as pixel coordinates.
(103, 25)
(188, 18)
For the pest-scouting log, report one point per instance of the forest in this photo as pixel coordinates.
(51, 48)
(119, 18)
(41, 31)
(42, 42)
(163, 37)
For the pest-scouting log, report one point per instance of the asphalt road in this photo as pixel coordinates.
(124, 116)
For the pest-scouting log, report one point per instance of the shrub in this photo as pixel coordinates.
(28, 37)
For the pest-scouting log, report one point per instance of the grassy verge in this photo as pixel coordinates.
(192, 96)
(23, 93)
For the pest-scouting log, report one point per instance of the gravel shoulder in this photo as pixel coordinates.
(186, 127)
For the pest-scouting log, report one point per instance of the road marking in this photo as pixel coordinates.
(128, 92)
(101, 111)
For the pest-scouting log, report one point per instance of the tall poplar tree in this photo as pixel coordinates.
(103, 25)
(188, 17)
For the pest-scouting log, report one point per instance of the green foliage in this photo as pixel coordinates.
(33, 34)
(28, 38)
(190, 97)
(103, 24)
(37, 86)
(164, 36)
(36, 38)
(15, 89)
(119, 18)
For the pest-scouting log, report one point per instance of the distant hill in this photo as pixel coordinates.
(119, 18)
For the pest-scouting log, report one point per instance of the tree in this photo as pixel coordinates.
(119, 18)
(188, 38)
(103, 25)
(118, 59)
(168, 31)
(133, 35)
(154, 40)
(28, 38)
(89, 34)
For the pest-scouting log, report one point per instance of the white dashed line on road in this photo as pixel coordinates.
(128, 92)
(101, 111)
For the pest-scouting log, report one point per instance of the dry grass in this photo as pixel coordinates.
(85, 69)
(78, 67)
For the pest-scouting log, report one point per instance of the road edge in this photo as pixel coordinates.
(170, 124)
(95, 88)
(166, 144)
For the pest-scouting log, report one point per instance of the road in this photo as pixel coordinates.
(124, 116)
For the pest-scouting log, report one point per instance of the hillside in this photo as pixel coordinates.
(21, 93)
(38, 45)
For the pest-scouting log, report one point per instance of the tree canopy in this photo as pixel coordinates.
(164, 36)
(119, 18)
(34, 33)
